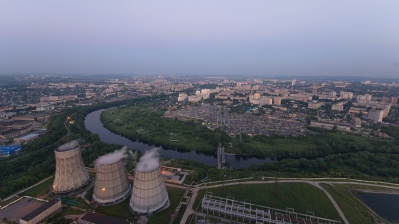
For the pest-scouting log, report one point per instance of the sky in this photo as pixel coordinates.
(207, 37)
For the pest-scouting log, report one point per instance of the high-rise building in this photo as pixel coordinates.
(277, 101)
(375, 115)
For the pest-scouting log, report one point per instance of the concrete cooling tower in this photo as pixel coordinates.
(149, 193)
(111, 185)
(70, 172)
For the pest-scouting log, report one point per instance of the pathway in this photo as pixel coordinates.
(23, 190)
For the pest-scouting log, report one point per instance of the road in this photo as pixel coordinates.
(316, 183)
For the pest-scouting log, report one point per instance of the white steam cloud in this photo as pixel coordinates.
(68, 146)
(149, 161)
(113, 157)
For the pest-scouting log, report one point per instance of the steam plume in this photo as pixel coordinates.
(68, 146)
(113, 157)
(149, 161)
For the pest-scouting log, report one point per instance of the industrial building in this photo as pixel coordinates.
(149, 193)
(9, 150)
(42, 212)
(112, 184)
(70, 172)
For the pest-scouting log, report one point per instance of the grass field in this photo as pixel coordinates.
(39, 190)
(301, 197)
(180, 214)
(353, 209)
(120, 210)
(162, 217)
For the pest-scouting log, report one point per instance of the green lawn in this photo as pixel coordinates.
(39, 190)
(180, 214)
(89, 194)
(120, 210)
(301, 197)
(353, 209)
(162, 217)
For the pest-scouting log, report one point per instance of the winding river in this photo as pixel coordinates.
(94, 125)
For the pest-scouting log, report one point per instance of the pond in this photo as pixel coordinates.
(385, 205)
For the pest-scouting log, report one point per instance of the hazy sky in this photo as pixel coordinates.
(339, 37)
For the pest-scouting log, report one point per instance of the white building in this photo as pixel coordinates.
(182, 97)
(194, 98)
(338, 106)
(265, 101)
(363, 98)
(346, 95)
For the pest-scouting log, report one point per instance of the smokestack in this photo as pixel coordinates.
(70, 172)
(111, 185)
(149, 193)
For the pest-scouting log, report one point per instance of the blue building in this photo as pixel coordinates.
(9, 150)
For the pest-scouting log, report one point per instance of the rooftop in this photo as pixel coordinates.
(41, 209)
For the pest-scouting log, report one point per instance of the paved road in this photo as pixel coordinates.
(189, 209)
(332, 201)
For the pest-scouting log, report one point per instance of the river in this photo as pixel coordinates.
(94, 125)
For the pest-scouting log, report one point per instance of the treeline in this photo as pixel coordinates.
(147, 125)
(324, 144)
(359, 165)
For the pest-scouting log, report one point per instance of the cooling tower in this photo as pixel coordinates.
(149, 193)
(111, 185)
(70, 172)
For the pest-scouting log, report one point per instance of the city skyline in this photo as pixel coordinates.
(222, 38)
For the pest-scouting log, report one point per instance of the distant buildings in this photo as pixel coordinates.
(338, 106)
(314, 105)
(375, 115)
(182, 97)
(363, 98)
(265, 101)
(346, 95)
(277, 101)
